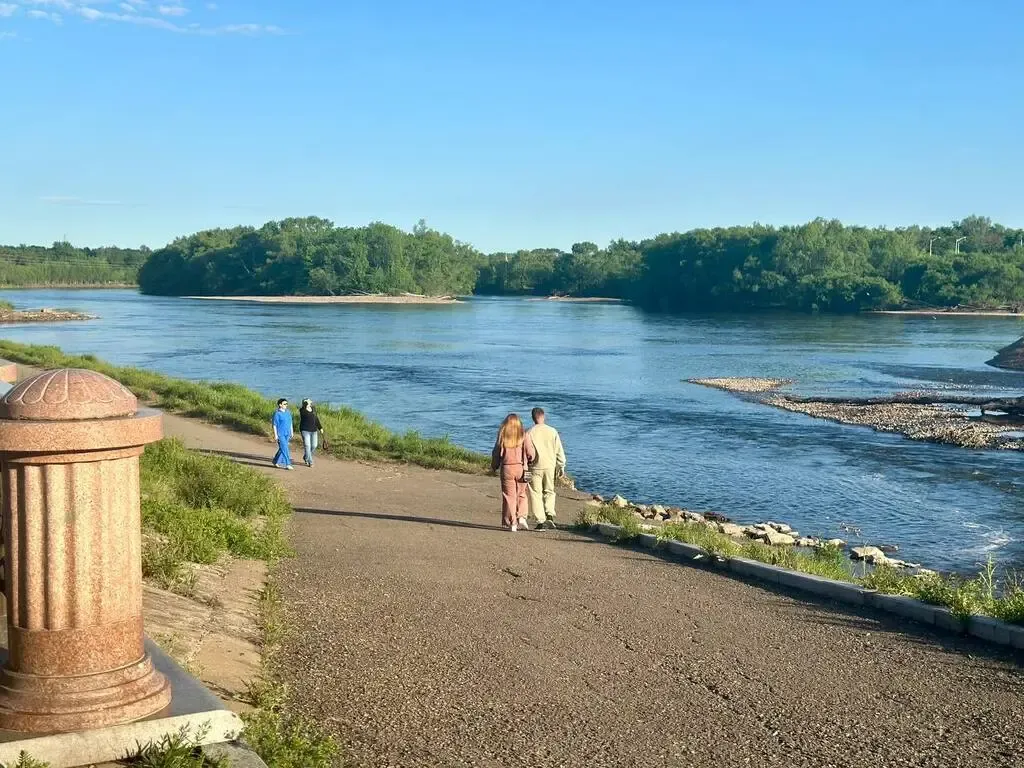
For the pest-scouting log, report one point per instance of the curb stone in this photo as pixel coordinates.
(683, 549)
(647, 540)
(984, 628)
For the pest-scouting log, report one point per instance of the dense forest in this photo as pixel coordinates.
(822, 265)
(311, 256)
(63, 264)
(819, 266)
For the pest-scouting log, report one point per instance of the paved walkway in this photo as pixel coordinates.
(425, 636)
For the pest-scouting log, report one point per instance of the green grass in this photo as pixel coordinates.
(25, 761)
(982, 595)
(180, 750)
(282, 738)
(197, 508)
(6, 306)
(349, 434)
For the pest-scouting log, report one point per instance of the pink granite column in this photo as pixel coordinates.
(70, 442)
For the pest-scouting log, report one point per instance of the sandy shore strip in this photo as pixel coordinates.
(742, 383)
(577, 299)
(355, 299)
(946, 312)
(15, 316)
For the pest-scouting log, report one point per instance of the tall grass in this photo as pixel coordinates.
(197, 508)
(982, 595)
(350, 434)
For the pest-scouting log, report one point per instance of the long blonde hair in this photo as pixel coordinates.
(511, 434)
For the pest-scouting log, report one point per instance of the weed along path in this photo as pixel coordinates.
(423, 636)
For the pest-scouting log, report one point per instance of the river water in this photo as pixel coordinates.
(612, 380)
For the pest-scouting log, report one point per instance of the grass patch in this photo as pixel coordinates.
(6, 306)
(26, 761)
(197, 508)
(349, 434)
(982, 595)
(281, 738)
(180, 750)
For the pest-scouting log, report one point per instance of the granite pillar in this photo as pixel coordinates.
(70, 442)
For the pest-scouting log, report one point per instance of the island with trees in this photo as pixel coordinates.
(822, 265)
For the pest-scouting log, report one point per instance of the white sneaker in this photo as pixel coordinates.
(523, 525)
(514, 529)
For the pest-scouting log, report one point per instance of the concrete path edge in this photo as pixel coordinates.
(983, 628)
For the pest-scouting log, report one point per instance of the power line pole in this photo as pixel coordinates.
(956, 248)
(930, 244)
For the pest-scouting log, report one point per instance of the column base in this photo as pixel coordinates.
(33, 704)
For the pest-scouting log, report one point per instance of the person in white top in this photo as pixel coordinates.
(549, 465)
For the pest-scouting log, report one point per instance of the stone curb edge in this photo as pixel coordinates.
(981, 627)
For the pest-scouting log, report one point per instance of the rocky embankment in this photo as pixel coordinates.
(12, 316)
(771, 533)
(947, 424)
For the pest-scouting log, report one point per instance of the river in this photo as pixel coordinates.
(612, 380)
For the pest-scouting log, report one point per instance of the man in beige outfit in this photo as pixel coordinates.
(550, 464)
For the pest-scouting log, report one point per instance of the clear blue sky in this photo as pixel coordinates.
(508, 124)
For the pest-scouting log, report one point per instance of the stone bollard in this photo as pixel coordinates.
(70, 442)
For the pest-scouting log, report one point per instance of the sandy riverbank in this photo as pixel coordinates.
(368, 299)
(14, 316)
(577, 299)
(947, 312)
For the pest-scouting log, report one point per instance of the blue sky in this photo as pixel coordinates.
(526, 124)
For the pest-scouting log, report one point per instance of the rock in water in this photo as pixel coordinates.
(658, 510)
(780, 527)
(619, 501)
(837, 543)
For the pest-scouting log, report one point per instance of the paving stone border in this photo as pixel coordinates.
(981, 627)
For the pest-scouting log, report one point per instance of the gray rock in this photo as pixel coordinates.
(839, 543)
(889, 548)
(598, 498)
(619, 501)
(657, 509)
(693, 517)
(730, 529)
(807, 541)
(638, 514)
(872, 555)
(780, 528)
(777, 539)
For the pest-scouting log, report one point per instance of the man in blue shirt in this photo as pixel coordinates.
(282, 422)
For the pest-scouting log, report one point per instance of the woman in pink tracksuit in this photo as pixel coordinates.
(513, 451)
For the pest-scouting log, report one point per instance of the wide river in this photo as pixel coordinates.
(612, 379)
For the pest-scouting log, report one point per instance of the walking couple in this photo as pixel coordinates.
(529, 463)
(309, 426)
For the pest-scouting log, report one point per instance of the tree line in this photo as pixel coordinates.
(63, 264)
(819, 266)
(311, 256)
